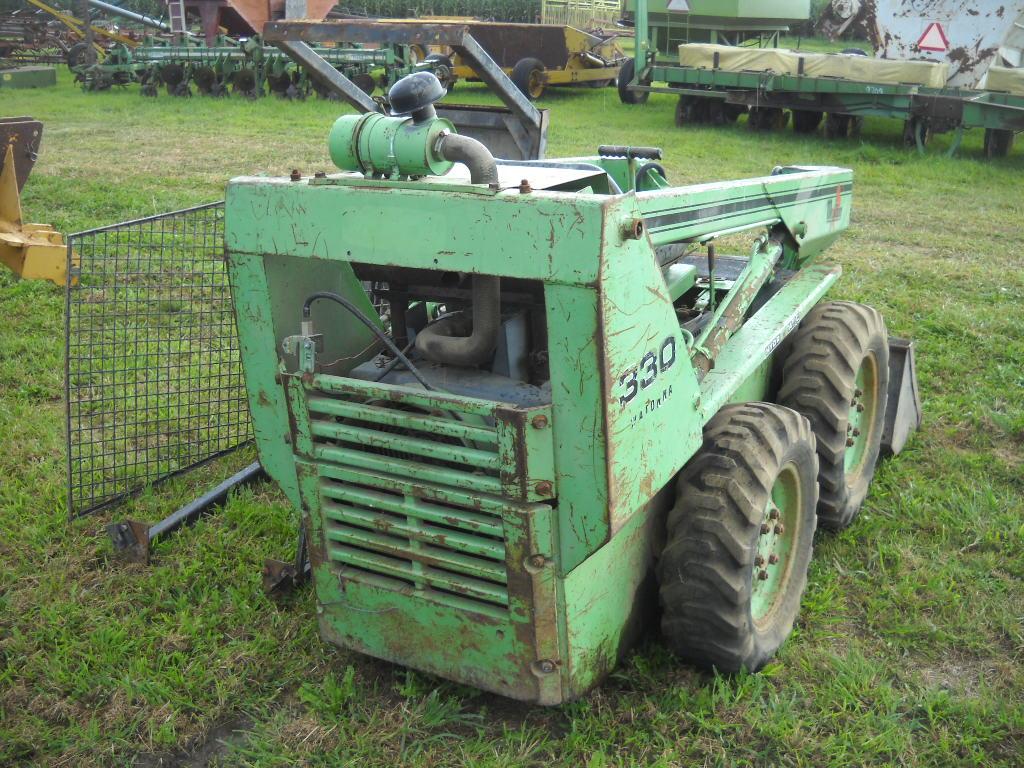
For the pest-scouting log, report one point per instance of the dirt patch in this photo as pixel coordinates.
(216, 744)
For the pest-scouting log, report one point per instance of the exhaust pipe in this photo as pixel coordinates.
(483, 168)
(440, 342)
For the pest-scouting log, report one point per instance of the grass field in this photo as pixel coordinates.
(910, 645)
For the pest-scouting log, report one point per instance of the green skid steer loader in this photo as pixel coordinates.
(526, 409)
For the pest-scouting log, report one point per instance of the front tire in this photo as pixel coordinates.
(837, 375)
(740, 538)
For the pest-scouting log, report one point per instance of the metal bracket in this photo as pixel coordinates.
(305, 347)
(22, 135)
(281, 578)
(132, 539)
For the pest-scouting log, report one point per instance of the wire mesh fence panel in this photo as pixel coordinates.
(585, 14)
(153, 380)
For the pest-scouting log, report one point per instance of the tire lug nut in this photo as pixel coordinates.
(758, 561)
(856, 433)
(773, 559)
(765, 528)
(858, 392)
(774, 514)
(779, 529)
(850, 441)
(860, 408)
(762, 575)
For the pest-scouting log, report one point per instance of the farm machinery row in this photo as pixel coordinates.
(42, 33)
(245, 67)
(534, 56)
(937, 69)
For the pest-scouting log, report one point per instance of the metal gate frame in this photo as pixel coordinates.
(153, 378)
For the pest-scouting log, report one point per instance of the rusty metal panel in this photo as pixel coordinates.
(23, 135)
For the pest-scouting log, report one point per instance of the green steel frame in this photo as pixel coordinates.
(501, 545)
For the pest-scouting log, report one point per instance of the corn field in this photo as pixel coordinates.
(496, 10)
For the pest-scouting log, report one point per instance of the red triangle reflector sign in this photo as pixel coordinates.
(934, 39)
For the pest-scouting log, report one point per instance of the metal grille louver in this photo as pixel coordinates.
(410, 498)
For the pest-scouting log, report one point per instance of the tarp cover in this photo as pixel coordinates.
(1005, 79)
(785, 62)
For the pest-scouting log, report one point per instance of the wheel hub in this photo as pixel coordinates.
(861, 417)
(771, 570)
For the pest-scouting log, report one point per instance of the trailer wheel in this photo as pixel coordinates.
(528, 76)
(731, 112)
(443, 69)
(767, 119)
(364, 82)
(836, 374)
(998, 143)
(693, 110)
(837, 126)
(806, 120)
(81, 55)
(739, 538)
(627, 96)
(916, 128)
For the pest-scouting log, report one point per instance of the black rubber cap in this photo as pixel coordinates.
(414, 92)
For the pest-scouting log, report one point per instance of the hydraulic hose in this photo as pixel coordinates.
(383, 337)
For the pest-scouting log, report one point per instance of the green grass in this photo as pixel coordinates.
(909, 647)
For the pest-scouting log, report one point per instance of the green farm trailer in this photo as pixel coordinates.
(670, 23)
(558, 413)
(717, 84)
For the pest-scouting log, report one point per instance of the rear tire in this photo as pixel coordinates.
(627, 96)
(740, 538)
(528, 76)
(837, 375)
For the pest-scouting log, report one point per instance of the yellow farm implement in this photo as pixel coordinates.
(31, 251)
